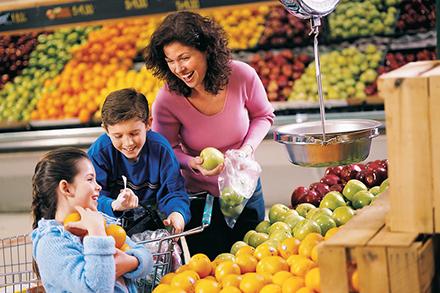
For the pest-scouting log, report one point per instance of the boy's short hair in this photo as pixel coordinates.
(123, 105)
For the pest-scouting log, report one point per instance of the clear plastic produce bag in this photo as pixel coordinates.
(237, 183)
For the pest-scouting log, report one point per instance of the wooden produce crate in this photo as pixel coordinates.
(412, 107)
(386, 261)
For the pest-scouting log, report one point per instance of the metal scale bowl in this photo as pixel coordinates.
(324, 143)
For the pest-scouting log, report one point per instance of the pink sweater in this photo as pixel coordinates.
(245, 119)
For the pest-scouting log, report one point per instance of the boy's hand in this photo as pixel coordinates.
(176, 220)
(196, 164)
(126, 200)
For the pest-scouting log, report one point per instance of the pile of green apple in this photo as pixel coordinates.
(363, 18)
(345, 74)
(335, 209)
(19, 97)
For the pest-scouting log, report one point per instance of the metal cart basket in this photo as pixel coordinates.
(17, 275)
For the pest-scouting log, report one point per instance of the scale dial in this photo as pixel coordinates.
(309, 8)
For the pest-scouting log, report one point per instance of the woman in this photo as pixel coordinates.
(208, 100)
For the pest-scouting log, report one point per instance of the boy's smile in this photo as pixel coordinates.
(128, 137)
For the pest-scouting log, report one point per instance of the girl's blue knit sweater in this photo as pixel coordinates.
(68, 265)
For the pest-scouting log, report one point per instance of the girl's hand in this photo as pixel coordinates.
(126, 200)
(176, 220)
(124, 263)
(91, 221)
(196, 164)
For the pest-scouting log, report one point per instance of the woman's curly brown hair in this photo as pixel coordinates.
(194, 30)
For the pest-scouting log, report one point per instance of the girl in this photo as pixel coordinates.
(64, 182)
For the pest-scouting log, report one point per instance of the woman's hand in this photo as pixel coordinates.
(196, 164)
(126, 200)
(176, 220)
(91, 221)
(124, 263)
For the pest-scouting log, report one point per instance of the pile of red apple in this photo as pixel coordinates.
(416, 15)
(284, 30)
(371, 174)
(278, 71)
(14, 54)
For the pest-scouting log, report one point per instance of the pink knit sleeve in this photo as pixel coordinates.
(260, 111)
(165, 122)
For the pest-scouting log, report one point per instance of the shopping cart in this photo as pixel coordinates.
(163, 257)
(17, 275)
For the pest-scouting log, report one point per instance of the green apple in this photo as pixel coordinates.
(362, 198)
(278, 226)
(293, 219)
(342, 215)
(318, 211)
(352, 187)
(257, 238)
(231, 204)
(375, 190)
(280, 235)
(304, 208)
(332, 200)
(306, 227)
(225, 256)
(272, 243)
(263, 227)
(384, 185)
(237, 245)
(248, 235)
(325, 222)
(278, 212)
(211, 157)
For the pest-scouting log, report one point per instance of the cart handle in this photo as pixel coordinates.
(206, 221)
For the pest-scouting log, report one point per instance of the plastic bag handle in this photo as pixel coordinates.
(207, 211)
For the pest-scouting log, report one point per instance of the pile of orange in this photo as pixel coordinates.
(117, 232)
(77, 91)
(288, 266)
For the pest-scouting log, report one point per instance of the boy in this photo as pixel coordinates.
(129, 148)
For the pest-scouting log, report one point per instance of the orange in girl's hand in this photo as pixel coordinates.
(118, 233)
(72, 217)
(125, 247)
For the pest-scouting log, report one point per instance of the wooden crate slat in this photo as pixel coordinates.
(387, 238)
(426, 263)
(373, 269)
(408, 145)
(434, 106)
(333, 261)
(403, 269)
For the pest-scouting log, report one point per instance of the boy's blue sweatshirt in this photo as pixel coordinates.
(155, 177)
(67, 265)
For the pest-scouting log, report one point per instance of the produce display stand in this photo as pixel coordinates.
(386, 261)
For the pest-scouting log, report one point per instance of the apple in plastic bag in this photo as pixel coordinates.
(211, 157)
(231, 204)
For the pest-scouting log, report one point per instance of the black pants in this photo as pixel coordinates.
(218, 237)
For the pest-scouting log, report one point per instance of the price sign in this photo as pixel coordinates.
(135, 4)
(18, 17)
(83, 10)
(187, 4)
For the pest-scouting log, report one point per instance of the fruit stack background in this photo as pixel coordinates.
(66, 73)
